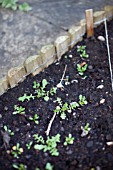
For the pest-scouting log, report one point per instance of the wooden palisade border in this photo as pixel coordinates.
(50, 53)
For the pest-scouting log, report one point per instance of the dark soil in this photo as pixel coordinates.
(86, 153)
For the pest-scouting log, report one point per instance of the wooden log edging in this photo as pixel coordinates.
(52, 52)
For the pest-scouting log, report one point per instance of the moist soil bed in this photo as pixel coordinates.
(89, 152)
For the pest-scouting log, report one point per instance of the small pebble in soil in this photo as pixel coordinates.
(57, 63)
(28, 135)
(8, 151)
(102, 101)
(103, 148)
(45, 154)
(17, 129)
(74, 113)
(110, 143)
(98, 168)
(67, 83)
(90, 67)
(101, 38)
(5, 108)
(74, 81)
(89, 144)
(100, 86)
(70, 56)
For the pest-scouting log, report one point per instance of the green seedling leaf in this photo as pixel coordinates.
(49, 166)
(44, 83)
(50, 145)
(74, 105)
(82, 51)
(19, 110)
(84, 55)
(25, 97)
(63, 115)
(81, 48)
(37, 168)
(8, 130)
(69, 140)
(25, 7)
(82, 100)
(13, 5)
(39, 139)
(81, 69)
(36, 85)
(46, 98)
(28, 145)
(35, 119)
(53, 90)
(20, 166)
(85, 130)
(39, 147)
(16, 150)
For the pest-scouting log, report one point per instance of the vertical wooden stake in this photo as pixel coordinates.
(89, 22)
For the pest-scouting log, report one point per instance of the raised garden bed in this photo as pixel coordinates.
(84, 111)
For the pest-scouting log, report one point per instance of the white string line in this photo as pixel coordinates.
(108, 50)
(57, 53)
(50, 124)
(99, 22)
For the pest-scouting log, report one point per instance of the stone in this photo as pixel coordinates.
(108, 12)
(102, 101)
(90, 67)
(15, 75)
(3, 85)
(101, 86)
(62, 45)
(101, 38)
(83, 25)
(33, 64)
(98, 17)
(70, 56)
(110, 143)
(75, 33)
(48, 55)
